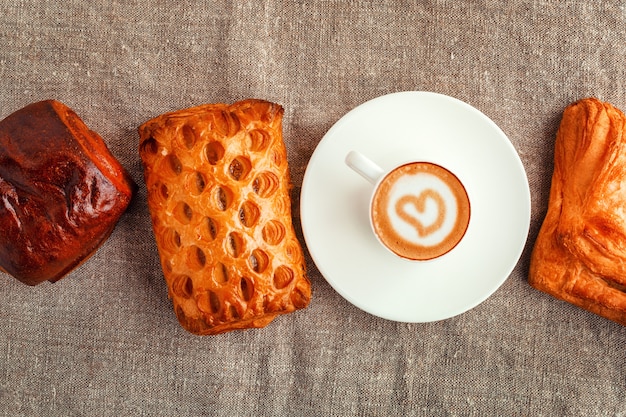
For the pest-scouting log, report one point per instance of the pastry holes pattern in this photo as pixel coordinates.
(189, 136)
(214, 152)
(259, 261)
(173, 165)
(282, 204)
(196, 183)
(298, 298)
(235, 245)
(292, 250)
(158, 194)
(182, 286)
(222, 197)
(249, 213)
(214, 302)
(211, 228)
(257, 140)
(273, 232)
(171, 240)
(183, 213)
(220, 273)
(196, 258)
(239, 168)
(226, 123)
(234, 313)
(209, 303)
(283, 276)
(277, 158)
(265, 184)
(164, 192)
(247, 288)
(149, 147)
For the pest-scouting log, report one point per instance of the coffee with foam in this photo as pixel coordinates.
(420, 211)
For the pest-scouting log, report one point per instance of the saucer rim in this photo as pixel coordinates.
(522, 227)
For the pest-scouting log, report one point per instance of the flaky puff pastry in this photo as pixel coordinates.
(580, 253)
(218, 192)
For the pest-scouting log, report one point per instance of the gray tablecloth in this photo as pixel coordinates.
(104, 340)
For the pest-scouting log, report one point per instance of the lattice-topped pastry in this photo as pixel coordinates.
(218, 192)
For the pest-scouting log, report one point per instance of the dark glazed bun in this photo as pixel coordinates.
(61, 192)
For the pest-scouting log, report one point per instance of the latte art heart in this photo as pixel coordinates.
(419, 203)
(420, 211)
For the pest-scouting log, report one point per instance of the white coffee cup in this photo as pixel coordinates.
(419, 210)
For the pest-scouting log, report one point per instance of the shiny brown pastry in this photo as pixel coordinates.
(61, 192)
(580, 253)
(218, 192)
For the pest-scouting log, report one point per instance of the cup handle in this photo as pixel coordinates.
(364, 166)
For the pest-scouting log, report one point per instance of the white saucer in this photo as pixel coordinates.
(390, 130)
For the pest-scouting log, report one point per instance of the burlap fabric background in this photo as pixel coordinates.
(105, 342)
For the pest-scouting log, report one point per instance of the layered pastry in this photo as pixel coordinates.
(219, 197)
(580, 252)
(61, 192)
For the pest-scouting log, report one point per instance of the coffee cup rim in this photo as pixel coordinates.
(373, 193)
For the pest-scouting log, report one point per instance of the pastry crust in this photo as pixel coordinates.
(218, 193)
(580, 252)
(61, 192)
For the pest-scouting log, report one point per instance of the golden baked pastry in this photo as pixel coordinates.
(580, 253)
(218, 193)
(61, 192)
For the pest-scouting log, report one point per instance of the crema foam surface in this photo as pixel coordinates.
(420, 211)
